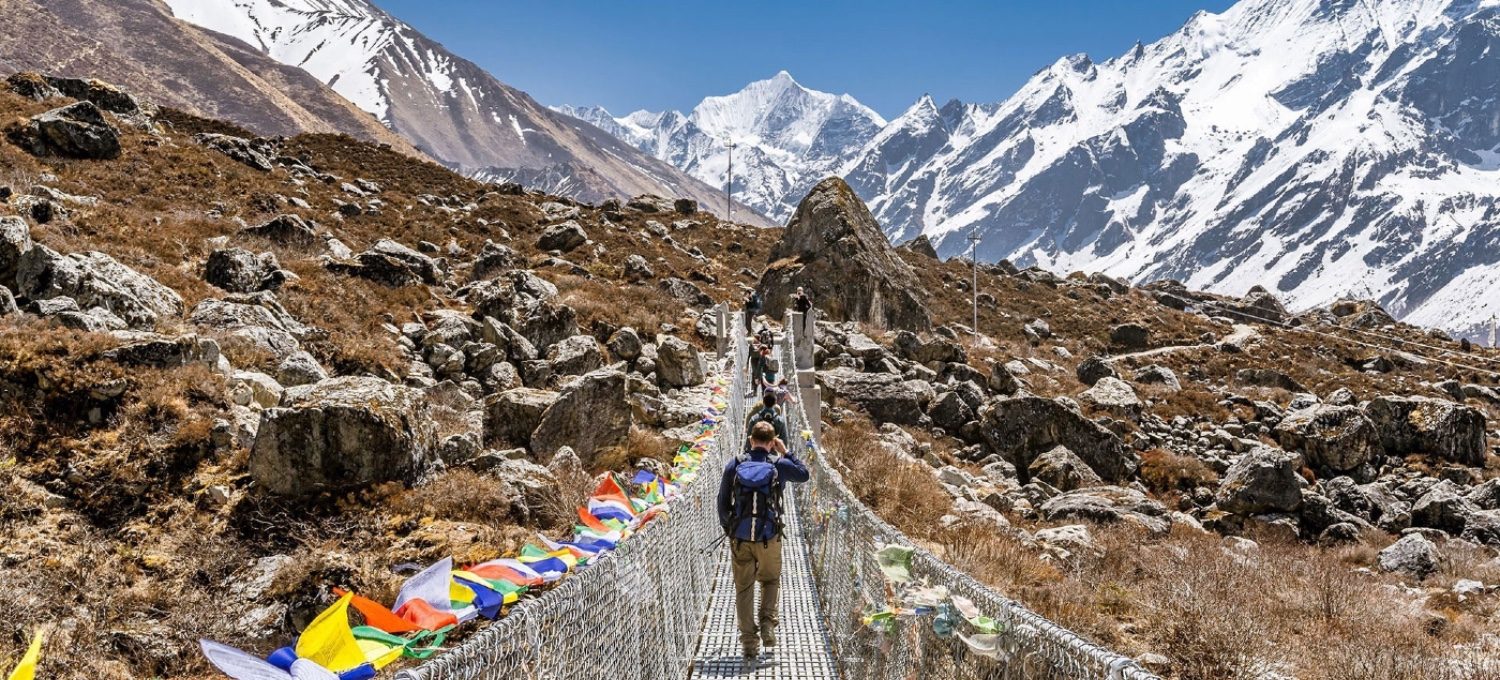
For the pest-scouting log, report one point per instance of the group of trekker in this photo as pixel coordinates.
(750, 493)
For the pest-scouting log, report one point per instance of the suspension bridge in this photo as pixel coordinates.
(662, 605)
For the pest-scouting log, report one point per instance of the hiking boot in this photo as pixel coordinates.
(768, 637)
(750, 652)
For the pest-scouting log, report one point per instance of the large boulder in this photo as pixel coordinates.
(679, 364)
(1063, 469)
(935, 349)
(392, 264)
(287, 230)
(1108, 504)
(257, 320)
(950, 412)
(884, 396)
(1258, 306)
(73, 131)
(1262, 480)
(1130, 336)
(96, 280)
(590, 415)
(512, 415)
(1413, 555)
(834, 249)
(562, 237)
(1022, 427)
(1337, 438)
(1445, 429)
(97, 92)
(1443, 507)
(240, 271)
(1114, 396)
(342, 434)
(1094, 369)
(575, 356)
(15, 243)
(624, 344)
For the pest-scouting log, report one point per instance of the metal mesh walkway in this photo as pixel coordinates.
(802, 641)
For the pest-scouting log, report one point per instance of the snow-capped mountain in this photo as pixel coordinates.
(1320, 147)
(787, 137)
(449, 107)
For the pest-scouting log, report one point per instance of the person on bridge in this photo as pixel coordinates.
(753, 304)
(802, 304)
(769, 412)
(749, 508)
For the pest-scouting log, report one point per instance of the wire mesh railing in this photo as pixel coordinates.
(844, 536)
(633, 614)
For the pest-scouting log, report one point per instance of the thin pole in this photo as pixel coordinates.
(974, 261)
(729, 185)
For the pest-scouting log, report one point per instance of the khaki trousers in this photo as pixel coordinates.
(757, 562)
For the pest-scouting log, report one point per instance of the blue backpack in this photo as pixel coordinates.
(755, 499)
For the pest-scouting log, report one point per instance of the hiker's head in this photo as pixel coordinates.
(799, 290)
(768, 399)
(762, 433)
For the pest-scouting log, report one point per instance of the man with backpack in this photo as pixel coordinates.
(769, 412)
(802, 304)
(749, 508)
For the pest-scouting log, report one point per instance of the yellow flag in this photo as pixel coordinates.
(329, 642)
(27, 669)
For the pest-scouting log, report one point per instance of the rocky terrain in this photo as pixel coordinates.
(237, 371)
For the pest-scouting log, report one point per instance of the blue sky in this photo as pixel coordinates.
(656, 54)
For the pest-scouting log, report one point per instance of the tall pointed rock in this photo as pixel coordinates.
(834, 248)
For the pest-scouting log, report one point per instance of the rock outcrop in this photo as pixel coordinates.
(1444, 429)
(834, 249)
(589, 415)
(1023, 427)
(342, 434)
(74, 131)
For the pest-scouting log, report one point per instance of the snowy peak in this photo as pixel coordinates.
(785, 136)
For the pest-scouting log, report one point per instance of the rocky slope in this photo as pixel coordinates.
(787, 138)
(139, 45)
(446, 105)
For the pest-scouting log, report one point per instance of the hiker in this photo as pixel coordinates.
(769, 412)
(749, 508)
(757, 358)
(753, 304)
(802, 304)
(764, 336)
(784, 394)
(766, 379)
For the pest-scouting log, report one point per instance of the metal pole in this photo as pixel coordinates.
(974, 261)
(729, 185)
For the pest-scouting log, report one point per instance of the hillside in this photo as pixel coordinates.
(202, 333)
(139, 45)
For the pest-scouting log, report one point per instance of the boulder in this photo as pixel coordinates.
(1337, 438)
(1108, 504)
(1483, 527)
(1093, 369)
(258, 320)
(256, 153)
(1262, 480)
(1267, 377)
(342, 434)
(240, 271)
(637, 269)
(299, 368)
(590, 415)
(160, 351)
(547, 323)
(562, 237)
(1413, 555)
(1001, 380)
(575, 356)
(921, 245)
(32, 85)
(834, 248)
(885, 397)
(1021, 428)
(1156, 374)
(493, 259)
(1130, 336)
(1259, 306)
(624, 344)
(934, 349)
(1443, 507)
(73, 131)
(679, 364)
(15, 243)
(685, 292)
(96, 280)
(1114, 396)
(1063, 469)
(512, 415)
(286, 230)
(101, 94)
(391, 264)
(1444, 429)
(950, 412)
